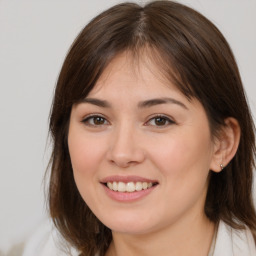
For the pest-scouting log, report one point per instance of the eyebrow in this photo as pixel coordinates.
(97, 102)
(142, 104)
(158, 101)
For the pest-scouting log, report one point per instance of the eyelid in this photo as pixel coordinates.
(90, 116)
(169, 119)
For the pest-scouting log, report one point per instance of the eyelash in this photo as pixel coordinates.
(164, 118)
(93, 118)
(167, 121)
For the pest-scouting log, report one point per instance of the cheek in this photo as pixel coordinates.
(85, 153)
(185, 158)
(184, 164)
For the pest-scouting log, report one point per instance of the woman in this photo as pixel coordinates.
(153, 141)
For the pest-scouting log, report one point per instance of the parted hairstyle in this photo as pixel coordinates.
(192, 53)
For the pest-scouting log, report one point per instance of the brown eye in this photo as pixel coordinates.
(98, 120)
(160, 121)
(95, 121)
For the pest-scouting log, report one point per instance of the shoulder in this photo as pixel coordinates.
(232, 242)
(45, 241)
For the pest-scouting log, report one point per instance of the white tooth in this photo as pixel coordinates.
(121, 187)
(138, 186)
(130, 187)
(115, 186)
(110, 185)
(144, 185)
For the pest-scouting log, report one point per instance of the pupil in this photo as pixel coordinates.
(160, 121)
(98, 120)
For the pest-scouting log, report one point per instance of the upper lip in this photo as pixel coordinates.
(126, 179)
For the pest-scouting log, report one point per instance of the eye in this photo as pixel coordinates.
(160, 121)
(95, 120)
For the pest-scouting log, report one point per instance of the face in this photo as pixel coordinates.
(140, 150)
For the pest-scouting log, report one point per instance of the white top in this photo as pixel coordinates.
(229, 242)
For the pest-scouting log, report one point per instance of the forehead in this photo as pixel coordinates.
(129, 70)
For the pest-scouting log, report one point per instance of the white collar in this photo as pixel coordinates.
(232, 242)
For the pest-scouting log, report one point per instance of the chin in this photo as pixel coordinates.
(128, 224)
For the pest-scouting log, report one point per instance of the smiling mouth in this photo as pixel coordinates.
(129, 187)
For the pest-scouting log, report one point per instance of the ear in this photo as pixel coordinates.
(225, 146)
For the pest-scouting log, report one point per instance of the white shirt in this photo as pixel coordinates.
(232, 242)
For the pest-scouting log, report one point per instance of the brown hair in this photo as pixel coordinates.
(196, 57)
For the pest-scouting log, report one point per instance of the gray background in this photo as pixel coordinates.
(34, 38)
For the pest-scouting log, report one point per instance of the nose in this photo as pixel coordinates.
(125, 149)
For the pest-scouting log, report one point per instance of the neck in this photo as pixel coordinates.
(189, 237)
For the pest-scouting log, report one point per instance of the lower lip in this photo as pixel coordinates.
(128, 196)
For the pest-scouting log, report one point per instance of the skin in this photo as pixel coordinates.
(176, 150)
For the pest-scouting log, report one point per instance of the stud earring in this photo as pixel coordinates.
(222, 166)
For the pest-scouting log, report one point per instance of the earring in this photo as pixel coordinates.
(222, 166)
